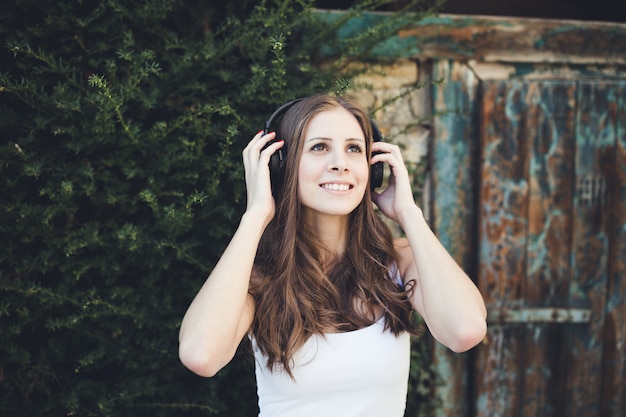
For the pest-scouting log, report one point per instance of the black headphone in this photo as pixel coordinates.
(278, 158)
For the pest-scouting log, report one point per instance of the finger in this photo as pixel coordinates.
(257, 162)
(253, 151)
(270, 149)
(263, 139)
(384, 147)
(254, 139)
(391, 158)
(260, 139)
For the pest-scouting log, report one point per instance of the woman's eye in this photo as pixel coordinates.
(355, 148)
(318, 147)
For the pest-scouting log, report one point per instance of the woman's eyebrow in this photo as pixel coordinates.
(331, 140)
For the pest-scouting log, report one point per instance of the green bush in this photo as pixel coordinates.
(121, 129)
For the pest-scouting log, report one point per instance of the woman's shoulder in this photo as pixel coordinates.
(401, 243)
(404, 255)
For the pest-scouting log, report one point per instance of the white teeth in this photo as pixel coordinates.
(336, 187)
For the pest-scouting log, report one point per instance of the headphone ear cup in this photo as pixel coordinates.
(277, 167)
(377, 170)
(376, 175)
(277, 160)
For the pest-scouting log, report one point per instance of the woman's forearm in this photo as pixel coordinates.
(221, 312)
(451, 304)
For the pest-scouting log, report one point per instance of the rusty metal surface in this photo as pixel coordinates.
(454, 199)
(595, 145)
(518, 40)
(504, 195)
(614, 377)
(550, 125)
(550, 137)
(551, 243)
(544, 248)
(538, 315)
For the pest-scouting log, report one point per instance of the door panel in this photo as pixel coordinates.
(504, 194)
(595, 145)
(614, 357)
(550, 127)
(538, 168)
(547, 170)
(453, 209)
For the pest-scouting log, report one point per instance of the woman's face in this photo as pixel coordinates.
(334, 169)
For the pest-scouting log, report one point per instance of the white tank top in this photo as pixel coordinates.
(362, 373)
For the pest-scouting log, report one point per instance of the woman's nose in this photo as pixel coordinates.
(338, 162)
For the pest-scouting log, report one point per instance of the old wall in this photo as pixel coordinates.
(398, 95)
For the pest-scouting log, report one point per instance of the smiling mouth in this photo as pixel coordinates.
(336, 187)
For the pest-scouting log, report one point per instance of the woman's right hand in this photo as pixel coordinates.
(258, 185)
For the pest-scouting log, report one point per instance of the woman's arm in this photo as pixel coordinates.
(222, 311)
(443, 294)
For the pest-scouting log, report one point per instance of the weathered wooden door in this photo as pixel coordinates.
(530, 196)
(552, 235)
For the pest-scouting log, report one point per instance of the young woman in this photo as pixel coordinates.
(313, 276)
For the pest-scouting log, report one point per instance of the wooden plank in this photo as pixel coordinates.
(551, 136)
(539, 315)
(534, 46)
(595, 144)
(614, 369)
(550, 127)
(454, 175)
(518, 40)
(497, 374)
(504, 196)
(502, 70)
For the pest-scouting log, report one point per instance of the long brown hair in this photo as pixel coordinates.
(295, 294)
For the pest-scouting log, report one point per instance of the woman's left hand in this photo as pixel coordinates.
(398, 196)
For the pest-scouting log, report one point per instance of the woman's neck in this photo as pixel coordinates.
(332, 231)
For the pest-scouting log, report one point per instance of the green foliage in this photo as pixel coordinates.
(121, 129)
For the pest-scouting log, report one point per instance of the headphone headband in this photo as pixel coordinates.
(277, 112)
